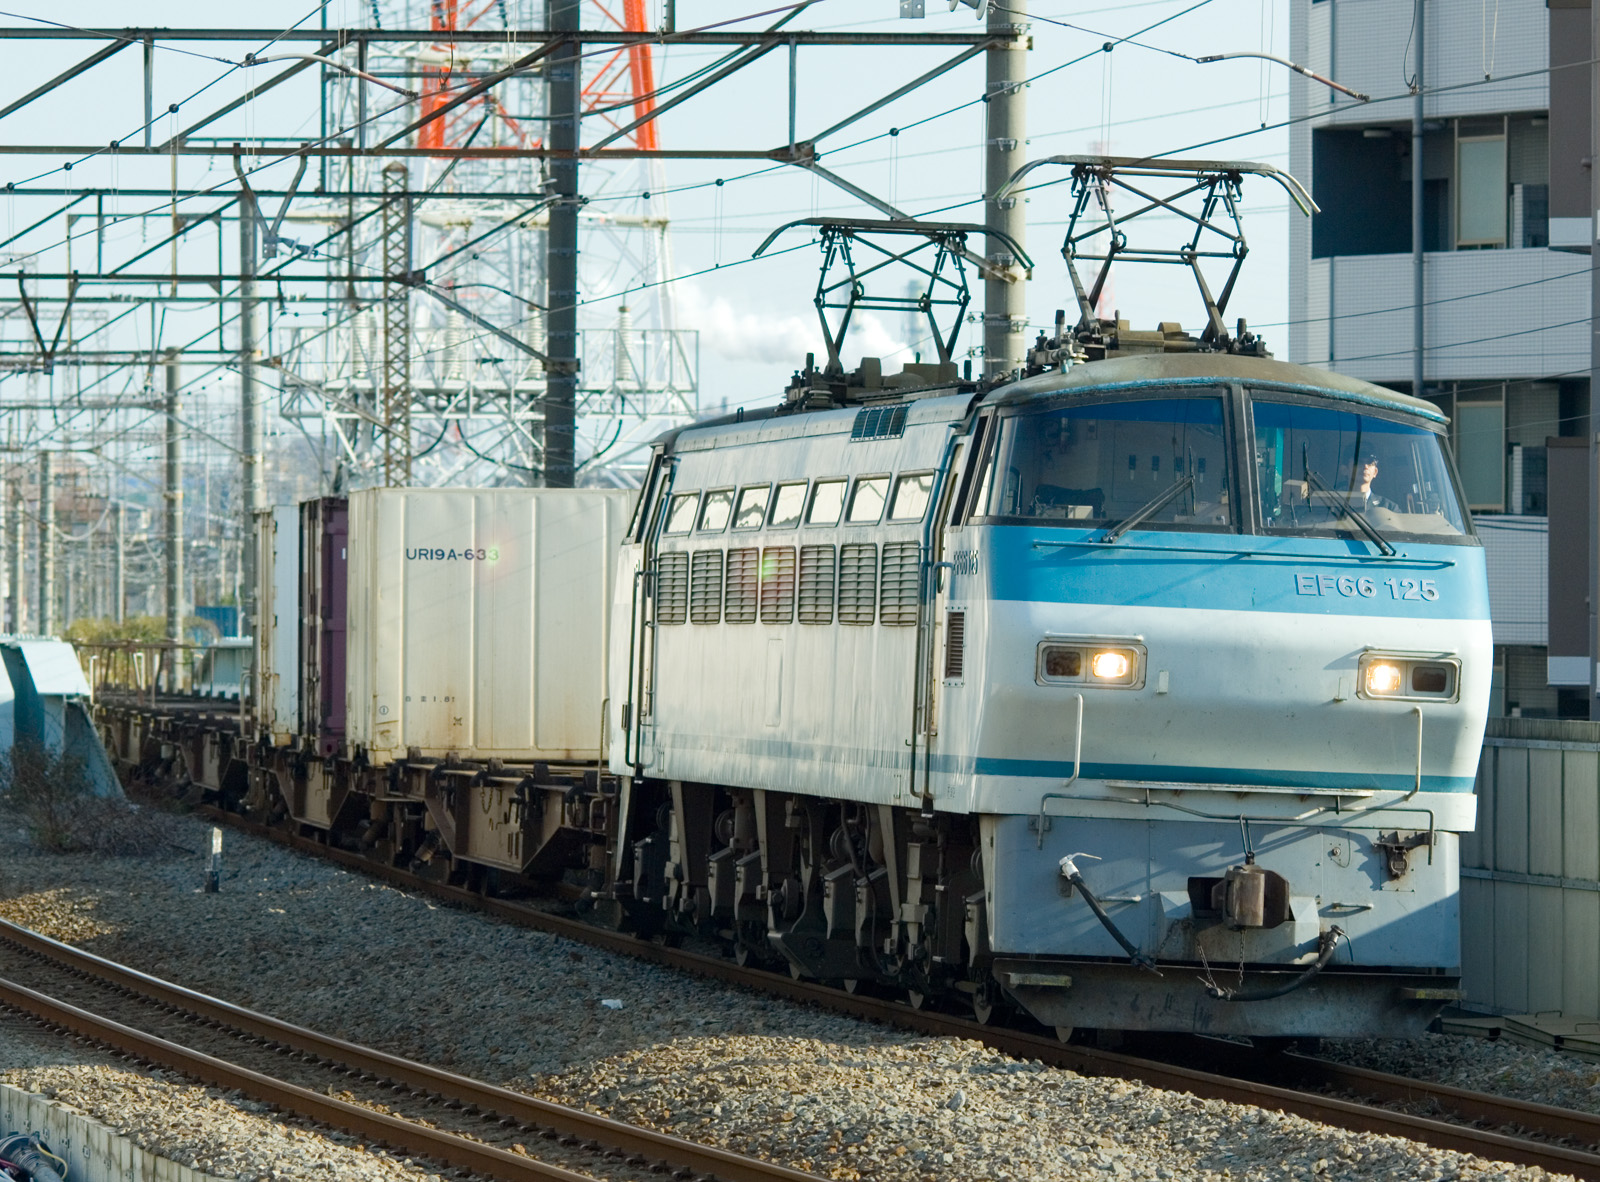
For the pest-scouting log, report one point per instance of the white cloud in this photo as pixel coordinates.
(750, 334)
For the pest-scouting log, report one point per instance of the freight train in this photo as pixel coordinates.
(1139, 690)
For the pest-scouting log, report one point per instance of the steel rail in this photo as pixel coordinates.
(353, 1118)
(628, 1140)
(1346, 1114)
(1547, 1119)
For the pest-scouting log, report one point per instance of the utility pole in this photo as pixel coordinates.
(562, 90)
(1418, 287)
(47, 546)
(1005, 305)
(249, 414)
(174, 503)
(17, 544)
(119, 558)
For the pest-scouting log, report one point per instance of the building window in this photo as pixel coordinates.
(1361, 180)
(1481, 190)
(1481, 449)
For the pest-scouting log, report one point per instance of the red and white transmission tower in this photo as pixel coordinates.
(436, 366)
(627, 79)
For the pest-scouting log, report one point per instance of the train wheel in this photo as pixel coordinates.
(851, 984)
(916, 999)
(989, 1003)
(1064, 1033)
(986, 1009)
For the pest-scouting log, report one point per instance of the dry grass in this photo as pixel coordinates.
(53, 798)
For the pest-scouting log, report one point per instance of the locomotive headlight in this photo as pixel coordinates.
(1106, 662)
(1383, 678)
(1409, 677)
(1111, 665)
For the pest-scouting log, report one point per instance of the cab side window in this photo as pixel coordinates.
(827, 502)
(718, 508)
(680, 513)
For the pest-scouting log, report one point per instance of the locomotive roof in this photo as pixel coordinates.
(1158, 369)
(1164, 369)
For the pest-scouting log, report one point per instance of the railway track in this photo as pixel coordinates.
(384, 1099)
(1558, 1140)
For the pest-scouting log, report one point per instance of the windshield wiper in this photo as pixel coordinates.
(1155, 506)
(1355, 515)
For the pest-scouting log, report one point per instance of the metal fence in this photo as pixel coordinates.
(1530, 874)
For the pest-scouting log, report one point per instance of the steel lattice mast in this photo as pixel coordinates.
(481, 323)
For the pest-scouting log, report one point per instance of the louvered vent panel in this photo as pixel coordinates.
(858, 583)
(777, 585)
(705, 587)
(955, 644)
(816, 584)
(672, 588)
(879, 422)
(739, 599)
(898, 587)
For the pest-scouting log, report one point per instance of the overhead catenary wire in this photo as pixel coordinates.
(772, 169)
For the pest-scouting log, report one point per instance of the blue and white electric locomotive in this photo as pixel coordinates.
(1141, 693)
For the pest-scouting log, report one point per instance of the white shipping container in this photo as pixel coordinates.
(477, 621)
(275, 686)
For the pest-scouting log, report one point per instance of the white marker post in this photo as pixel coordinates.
(214, 874)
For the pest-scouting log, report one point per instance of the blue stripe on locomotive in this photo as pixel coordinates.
(1302, 576)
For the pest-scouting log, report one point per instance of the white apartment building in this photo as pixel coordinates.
(1506, 308)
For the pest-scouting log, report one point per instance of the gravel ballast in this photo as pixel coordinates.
(317, 945)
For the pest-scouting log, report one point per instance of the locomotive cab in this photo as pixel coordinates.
(1250, 688)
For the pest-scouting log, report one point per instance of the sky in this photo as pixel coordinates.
(754, 317)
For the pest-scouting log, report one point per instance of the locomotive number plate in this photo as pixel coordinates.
(1366, 587)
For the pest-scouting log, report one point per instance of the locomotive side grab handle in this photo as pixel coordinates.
(1077, 767)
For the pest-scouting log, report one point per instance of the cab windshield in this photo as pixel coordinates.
(1102, 463)
(1318, 468)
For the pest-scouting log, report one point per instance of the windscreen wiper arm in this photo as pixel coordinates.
(1355, 514)
(1155, 506)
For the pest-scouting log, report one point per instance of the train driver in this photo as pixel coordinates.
(1363, 497)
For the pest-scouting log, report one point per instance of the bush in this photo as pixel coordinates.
(63, 816)
(84, 630)
(139, 629)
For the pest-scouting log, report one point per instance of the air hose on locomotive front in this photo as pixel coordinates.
(1327, 943)
(1070, 871)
